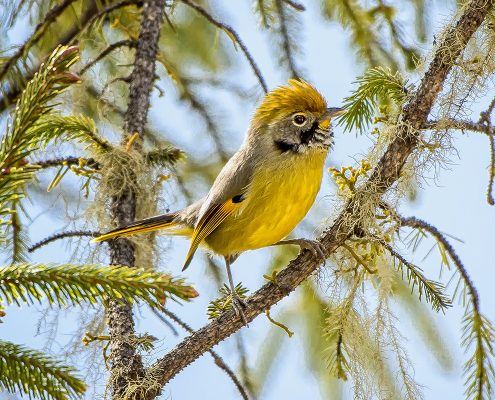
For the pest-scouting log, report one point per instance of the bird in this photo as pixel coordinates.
(265, 189)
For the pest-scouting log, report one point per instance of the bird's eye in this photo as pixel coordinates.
(299, 119)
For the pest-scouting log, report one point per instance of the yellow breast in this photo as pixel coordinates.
(277, 200)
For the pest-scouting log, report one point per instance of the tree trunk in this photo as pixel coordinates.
(125, 362)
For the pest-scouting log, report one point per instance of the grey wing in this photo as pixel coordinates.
(231, 183)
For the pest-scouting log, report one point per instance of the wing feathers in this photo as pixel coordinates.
(210, 221)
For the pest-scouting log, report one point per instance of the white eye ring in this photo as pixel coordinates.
(299, 119)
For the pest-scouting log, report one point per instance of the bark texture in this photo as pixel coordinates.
(386, 173)
(125, 363)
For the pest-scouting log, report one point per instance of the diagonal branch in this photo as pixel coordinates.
(89, 16)
(387, 171)
(39, 30)
(286, 42)
(234, 36)
(110, 48)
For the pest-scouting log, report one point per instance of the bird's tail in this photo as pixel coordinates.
(145, 225)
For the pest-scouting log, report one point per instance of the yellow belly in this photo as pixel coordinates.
(277, 200)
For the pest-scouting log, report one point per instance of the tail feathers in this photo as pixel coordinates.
(145, 225)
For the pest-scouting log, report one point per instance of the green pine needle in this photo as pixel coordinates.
(164, 157)
(361, 104)
(434, 292)
(76, 284)
(479, 371)
(79, 128)
(35, 374)
(224, 303)
(20, 139)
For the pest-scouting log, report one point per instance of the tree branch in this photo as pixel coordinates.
(121, 43)
(50, 17)
(59, 236)
(57, 162)
(417, 223)
(463, 125)
(125, 363)
(90, 15)
(234, 36)
(387, 171)
(286, 43)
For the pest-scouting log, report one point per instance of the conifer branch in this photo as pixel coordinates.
(79, 128)
(103, 13)
(71, 160)
(350, 13)
(234, 36)
(164, 156)
(477, 329)
(417, 223)
(64, 284)
(39, 30)
(386, 172)
(22, 138)
(89, 16)
(29, 372)
(434, 291)
(375, 83)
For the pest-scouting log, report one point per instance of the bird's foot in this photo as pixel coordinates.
(239, 305)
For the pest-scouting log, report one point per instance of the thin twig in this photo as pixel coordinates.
(286, 44)
(233, 35)
(485, 115)
(107, 10)
(165, 321)
(417, 223)
(485, 120)
(62, 235)
(89, 16)
(491, 175)
(358, 259)
(243, 365)
(218, 360)
(211, 126)
(121, 43)
(57, 162)
(463, 125)
(50, 17)
(295, 5)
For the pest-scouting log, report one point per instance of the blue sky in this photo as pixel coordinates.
(454, 202)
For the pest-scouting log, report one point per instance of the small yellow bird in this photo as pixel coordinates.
(265, 189)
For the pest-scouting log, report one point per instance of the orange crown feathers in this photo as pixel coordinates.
(298, 95)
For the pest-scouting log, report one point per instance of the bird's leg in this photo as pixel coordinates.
(237, 302)
(314, 246)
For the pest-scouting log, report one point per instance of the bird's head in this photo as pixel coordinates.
(296, 118)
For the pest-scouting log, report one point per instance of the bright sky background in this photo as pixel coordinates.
(454, 202)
